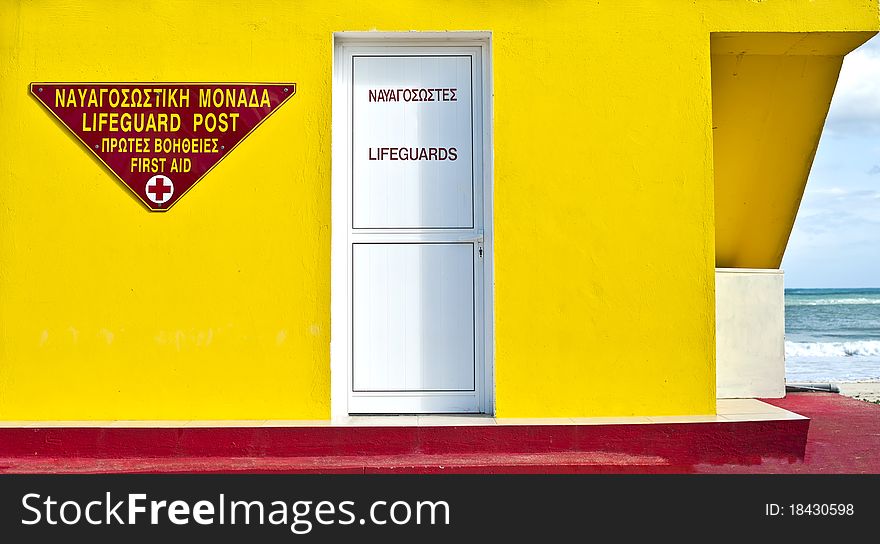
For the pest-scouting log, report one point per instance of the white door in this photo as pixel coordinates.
(415, 229)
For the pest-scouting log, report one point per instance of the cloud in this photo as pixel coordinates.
(855, 107)
(830, 217)
(874, 170)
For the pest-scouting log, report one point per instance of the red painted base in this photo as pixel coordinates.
(844, 438)
(636, 448)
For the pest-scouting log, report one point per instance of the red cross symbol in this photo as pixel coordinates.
(157, 189)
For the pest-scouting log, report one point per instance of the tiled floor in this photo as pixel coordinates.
(727, 410)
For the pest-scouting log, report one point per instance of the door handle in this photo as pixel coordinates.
(478, 241)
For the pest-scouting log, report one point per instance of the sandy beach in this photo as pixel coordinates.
(867, 391)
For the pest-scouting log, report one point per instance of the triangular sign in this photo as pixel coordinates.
(160, 139)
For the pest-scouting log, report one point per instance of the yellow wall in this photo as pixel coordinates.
(220, 307)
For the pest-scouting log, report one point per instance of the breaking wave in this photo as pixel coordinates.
(862, 348)
(832, 301)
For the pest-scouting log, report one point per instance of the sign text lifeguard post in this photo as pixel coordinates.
(160, 139)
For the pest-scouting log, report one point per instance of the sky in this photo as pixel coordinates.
(836, 237)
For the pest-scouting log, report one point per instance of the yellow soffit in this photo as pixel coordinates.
(770, 96)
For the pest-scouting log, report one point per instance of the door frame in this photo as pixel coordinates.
(340, 302)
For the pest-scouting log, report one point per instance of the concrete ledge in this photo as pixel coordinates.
(727, 410)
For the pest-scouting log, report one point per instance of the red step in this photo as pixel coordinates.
(657, 447)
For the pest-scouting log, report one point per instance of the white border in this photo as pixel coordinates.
(339, 295)
(749, 270)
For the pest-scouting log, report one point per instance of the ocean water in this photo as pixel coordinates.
(832, 335)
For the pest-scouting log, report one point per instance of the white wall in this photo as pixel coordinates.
(749, 333)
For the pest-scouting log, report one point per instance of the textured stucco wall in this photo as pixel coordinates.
(220, 308)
